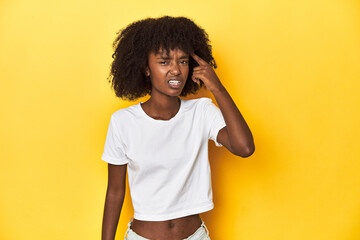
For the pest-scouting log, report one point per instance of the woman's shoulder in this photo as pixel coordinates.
(196, 102)
(126, 113)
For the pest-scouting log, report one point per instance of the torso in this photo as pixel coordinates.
(179, 228)
(175, 229)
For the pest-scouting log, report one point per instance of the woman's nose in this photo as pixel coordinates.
(175, 69)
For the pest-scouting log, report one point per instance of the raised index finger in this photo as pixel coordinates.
(198, 59)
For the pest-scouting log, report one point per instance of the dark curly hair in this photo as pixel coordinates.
(134, 43)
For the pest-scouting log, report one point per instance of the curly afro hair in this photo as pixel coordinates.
(134, 43)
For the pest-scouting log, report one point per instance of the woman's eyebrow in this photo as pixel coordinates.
(168, 58)
(163, 57)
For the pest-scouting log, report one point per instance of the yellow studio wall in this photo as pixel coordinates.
(292, 68)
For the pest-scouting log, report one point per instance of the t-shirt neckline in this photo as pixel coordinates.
(159, 120)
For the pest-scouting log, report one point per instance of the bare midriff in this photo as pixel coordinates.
(175, 229)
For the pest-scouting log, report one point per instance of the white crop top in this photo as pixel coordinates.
(167, 160)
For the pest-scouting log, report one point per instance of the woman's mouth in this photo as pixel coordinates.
(174, 83)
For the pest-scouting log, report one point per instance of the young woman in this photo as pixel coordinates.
(163, 142)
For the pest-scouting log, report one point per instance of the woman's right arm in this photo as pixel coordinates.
(114, 200)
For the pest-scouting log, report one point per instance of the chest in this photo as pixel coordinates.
(157, 145)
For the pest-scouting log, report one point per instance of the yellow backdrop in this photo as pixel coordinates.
(292, 67)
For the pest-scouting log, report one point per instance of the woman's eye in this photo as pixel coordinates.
(163, 62)
(184, 62)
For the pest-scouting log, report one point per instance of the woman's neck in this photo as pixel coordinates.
(162, 109)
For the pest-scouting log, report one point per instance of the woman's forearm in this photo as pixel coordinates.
(240, 136)
(113, 204)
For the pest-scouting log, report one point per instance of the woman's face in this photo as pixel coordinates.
(168, 71)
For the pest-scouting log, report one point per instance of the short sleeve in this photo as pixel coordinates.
(114, 149)
(215, 120)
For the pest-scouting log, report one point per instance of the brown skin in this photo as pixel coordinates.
(164, 104)
(236, 136)
(114, 200)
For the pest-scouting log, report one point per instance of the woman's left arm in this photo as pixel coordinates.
(236, 136)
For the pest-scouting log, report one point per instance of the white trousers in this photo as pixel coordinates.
(201, 233)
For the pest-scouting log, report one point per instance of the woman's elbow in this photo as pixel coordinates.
(245, 152)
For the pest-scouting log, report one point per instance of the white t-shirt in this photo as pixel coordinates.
(167, 160)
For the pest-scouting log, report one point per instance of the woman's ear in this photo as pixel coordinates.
(147, 71)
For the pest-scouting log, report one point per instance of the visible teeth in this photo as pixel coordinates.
(174, 82)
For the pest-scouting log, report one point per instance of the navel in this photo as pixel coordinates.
(171, 224)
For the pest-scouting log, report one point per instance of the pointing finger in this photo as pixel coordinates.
(198, 59)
